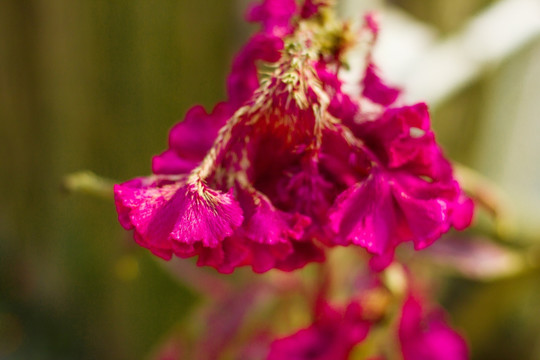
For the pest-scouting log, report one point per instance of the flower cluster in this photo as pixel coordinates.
(291, 164)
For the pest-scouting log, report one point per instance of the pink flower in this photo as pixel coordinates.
(331, 337)
(427, 336)
(288, 166)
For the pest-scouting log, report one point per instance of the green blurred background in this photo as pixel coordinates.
(97, 84)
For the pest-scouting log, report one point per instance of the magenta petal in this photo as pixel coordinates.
(387, 209)
(175, 216)
(378, 263)
(203, 215)
(402, 139)
(445, 342)
(342, 106)
(343, 163)
(426, 206)
(377, 91)
(274, 15)
(420, 156)
(274, 237)
(190, 139)
(395, 124)
(402, 123)
(170, 163)
(243, 79)
(268, 226)
(265, 256)
(427, 219)
(371, 23)
(307, 193)
(463, 211)
(137, 203)
(428, 337)
(364, 215)
(309, 9)
(303, 345)
(413, 116)
(265, 224)
(302, 254)
(332, 336)
(407, 150)
(231, 254)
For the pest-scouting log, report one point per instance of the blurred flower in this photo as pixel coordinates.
(427, 336)
(331, 337)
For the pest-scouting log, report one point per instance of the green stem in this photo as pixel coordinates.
(89, 183)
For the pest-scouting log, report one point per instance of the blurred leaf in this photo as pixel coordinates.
(90, 183)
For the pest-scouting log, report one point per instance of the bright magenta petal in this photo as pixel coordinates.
(364, 215)
(175, 216)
